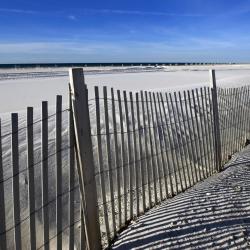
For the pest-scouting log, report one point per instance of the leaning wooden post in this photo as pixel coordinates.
(217, 140)
(79, 93)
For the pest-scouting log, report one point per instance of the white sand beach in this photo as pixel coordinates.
(20, 88)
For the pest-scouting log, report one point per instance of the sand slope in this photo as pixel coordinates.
(214, 214)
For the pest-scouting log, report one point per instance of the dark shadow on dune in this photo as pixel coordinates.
(214, 214)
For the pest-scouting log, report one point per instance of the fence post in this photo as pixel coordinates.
(217, 140)
(79, 93)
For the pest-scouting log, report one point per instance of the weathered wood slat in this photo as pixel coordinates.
(240, 97)
(31, 183)
(71, 175)
(221, 117)
(117, 159)
(101, 167)
(226, 125)
(15, 183)
(237, 97)
(135, 155)
(83, 245)
(148, 161)
(230, 120)
(109, 160)
(207, 129)
(208, 90)
(234, 120)
(59, 171)
(3, 243)
(142, 163)
(216, 121)
(213, 155)
(151, 150)
(242, 118)
(238, 112)
(123, 157)
(129, 156)
(44, 171)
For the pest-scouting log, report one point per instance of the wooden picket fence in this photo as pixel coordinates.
(43, 155)
(234, 108)
(81, 174)
(138, 149)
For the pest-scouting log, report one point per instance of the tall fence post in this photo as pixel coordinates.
(217, 139)
(79, 93)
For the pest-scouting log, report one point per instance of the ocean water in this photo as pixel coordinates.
(56, 65)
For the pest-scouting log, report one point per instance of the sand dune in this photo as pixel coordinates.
(24, 88)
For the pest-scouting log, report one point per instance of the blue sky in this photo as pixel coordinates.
(124, 31)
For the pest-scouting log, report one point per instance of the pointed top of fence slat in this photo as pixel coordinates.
(77, 80)
(212, 78)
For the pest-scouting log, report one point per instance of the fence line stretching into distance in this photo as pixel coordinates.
(114, 156)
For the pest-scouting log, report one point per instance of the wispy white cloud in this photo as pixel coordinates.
(103, 11)
(139, 12)
(82, 47)
(203, 42)
(127, 46)
(18, 11)
(94, 51)
(72, 17)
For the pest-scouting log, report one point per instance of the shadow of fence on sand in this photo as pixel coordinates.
(214, 214)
